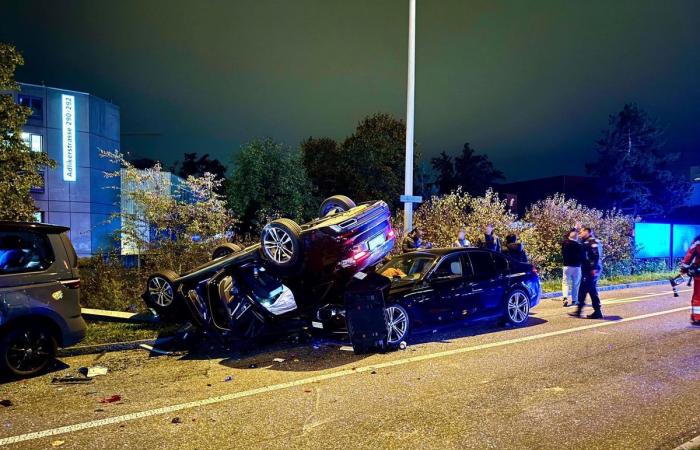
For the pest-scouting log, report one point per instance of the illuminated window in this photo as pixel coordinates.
(33, 141)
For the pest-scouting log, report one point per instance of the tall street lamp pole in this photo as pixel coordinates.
(408, 198)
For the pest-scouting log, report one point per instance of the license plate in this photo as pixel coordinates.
(376, 241)
(316, 324)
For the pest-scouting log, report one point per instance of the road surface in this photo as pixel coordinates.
(629, 381)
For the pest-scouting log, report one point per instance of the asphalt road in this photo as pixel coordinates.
(630, 381)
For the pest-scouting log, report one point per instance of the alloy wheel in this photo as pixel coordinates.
(161, 291)
(397, 324)
(30, 351)
(278, 245)
(518, 307)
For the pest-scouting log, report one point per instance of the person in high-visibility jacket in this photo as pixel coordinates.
(692, 257)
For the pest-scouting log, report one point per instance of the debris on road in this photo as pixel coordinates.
(94, 371)
(345, 348)
(71, 379)
(176, 420)
(403, 345)
(253, 366)
(111, 399)
(279, 360)
(57, 443)
(153, 349)
(228, 378)
(6, 403)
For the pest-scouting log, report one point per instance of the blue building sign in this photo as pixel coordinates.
(68, 115)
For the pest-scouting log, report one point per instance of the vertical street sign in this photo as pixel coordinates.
(69, 149)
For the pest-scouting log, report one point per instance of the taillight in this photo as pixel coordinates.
(71, 284)
(390, 234)
(534, 270)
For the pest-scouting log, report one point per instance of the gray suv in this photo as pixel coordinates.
(39, 296)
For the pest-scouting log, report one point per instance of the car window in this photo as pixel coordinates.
(483, 266)
(409, 266)
(450, 266)
(501, 262)
(24, 251)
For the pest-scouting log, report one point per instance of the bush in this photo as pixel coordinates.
(441, 217)
(549, 220)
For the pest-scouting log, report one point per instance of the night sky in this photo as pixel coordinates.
(530, 83)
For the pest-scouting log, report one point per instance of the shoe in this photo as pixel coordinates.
(566, 302)
(595, 315)
(576, 314)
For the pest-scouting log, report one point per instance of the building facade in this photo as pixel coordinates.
(73, 127)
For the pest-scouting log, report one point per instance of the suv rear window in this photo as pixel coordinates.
(24, 251)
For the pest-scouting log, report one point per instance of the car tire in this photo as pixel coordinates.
(225, 250)
(516, 307)
(26, 350)
(280, 244)
(161, 296)
(398, 324)
(335, 204)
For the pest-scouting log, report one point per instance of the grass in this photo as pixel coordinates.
(103, 332)
(554, 285)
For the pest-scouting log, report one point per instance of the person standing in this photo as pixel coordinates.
(414, 241)
(692, 258)
(591, 269)
(491, 241)
(572, 256)
(514, 249)
(462, 240)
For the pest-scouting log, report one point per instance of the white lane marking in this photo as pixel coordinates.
(317, 378)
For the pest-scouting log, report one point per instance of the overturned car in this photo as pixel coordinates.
(242, 293)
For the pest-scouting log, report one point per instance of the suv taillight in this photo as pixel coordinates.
(71, 284)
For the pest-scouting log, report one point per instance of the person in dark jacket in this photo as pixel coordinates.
(591, 269)
(491, 241)
(514, 249)
(572, 254)
(414, 241)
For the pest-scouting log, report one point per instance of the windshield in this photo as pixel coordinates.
(409, 266)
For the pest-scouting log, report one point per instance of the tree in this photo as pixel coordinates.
(197, 167)
(633, 167)
(473, 172)
(374, 156)
(269, 181)
(20, 168)
(322, 158)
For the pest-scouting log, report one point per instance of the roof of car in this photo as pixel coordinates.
(447, 250)
(44, 227)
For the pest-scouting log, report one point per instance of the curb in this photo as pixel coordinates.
(692, 444)
(111, 347)
(613, 287)
(118, 316)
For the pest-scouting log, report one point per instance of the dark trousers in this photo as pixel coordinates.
(589, 286)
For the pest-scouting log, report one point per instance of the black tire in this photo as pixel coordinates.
(225, 250)
(335, 204)
(398, 331)
(280, 244)
(26, 350)
(161, 295)
(516, 307)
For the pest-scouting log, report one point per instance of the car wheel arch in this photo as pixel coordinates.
(36, 319)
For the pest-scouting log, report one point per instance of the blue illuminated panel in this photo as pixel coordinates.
(653, 240)
(682, 238)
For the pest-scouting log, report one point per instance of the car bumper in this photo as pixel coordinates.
(74, 332)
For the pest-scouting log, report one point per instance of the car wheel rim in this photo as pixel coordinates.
(278, 245)
(160, 291)
(397, 323)
(30, 351)
(518, 307)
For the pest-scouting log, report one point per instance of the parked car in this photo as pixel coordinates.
(39, 296)
(435, 286)
(291, 270)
